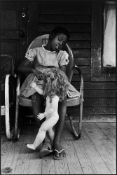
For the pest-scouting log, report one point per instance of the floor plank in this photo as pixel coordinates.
(9, 152)
(101, 138)
(28, 161)
(72, 158)
(105, 148)
(80, 153)
(93, 153)
(95, 158)
(108, 131)
(85, 162)
(48, 166)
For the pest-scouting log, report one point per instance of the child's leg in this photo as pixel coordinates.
(46, 125)
(38, 140)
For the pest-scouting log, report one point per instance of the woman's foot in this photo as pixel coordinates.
(31, 146)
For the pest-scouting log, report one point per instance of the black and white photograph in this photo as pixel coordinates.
(58, 86)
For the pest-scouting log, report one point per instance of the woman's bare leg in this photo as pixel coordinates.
(58, 132)
(51, 134)
(37, 105)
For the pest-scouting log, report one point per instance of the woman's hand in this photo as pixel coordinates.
(25, 67)
(38, 74)
(33, 85)
(35, 72)
(39, 90)
(63, 68)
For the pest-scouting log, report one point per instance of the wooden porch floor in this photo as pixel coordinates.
(93, 153)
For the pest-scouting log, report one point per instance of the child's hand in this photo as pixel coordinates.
(33, 85)
(40, 116)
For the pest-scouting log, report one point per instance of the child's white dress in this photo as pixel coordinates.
(45, 59)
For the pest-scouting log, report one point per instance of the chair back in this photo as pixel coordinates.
(6, 65)
(43, 39)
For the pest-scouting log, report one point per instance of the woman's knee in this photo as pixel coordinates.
(37, 103)
(62, 110)
(36, 98)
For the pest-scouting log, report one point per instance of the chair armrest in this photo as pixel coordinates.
(81, 80)
(18, 85)
(7, 79)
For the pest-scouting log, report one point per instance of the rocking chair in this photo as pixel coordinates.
(26, 102)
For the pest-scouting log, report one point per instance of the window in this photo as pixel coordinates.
(109, 40)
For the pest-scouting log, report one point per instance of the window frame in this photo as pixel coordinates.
(98, 72)
(106, 69)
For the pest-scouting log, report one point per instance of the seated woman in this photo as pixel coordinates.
(48, 56)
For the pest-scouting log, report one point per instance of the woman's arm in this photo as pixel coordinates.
(63, 68)
(26, 67)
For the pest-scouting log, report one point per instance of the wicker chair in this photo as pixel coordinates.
(26, 102)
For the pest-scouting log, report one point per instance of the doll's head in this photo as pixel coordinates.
(58, 38)
(55, 83)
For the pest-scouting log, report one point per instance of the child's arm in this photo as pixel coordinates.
(40, 116)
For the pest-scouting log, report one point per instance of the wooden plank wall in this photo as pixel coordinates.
(77, 19)
(99, 96)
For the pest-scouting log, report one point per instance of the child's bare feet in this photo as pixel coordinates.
(31, 146)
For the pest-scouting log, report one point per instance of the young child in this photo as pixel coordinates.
(55, 87)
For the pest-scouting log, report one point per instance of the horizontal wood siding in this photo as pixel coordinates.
(99, 100)
(77, 17)
(99, 97)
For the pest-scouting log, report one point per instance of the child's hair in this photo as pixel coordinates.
(55, 83)
(58, 30)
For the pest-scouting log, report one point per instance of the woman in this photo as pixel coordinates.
(47, 56)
